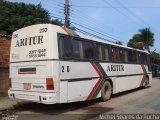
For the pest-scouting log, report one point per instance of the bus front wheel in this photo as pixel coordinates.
(106, 91)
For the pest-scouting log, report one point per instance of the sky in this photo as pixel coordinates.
(110, 19)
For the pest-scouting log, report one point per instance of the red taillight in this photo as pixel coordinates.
(10, 83)
(49, 84)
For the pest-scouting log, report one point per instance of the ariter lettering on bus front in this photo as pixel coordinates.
(115, 68)
(29, 41)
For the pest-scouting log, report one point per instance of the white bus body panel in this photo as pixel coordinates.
(21, 52)
(79, 86)
(38, 82)
(46, 63)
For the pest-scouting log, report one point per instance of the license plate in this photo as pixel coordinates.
(27, 86)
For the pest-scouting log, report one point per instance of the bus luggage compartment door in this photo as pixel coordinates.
(33, 76)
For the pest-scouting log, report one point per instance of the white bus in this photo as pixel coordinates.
(51, 64)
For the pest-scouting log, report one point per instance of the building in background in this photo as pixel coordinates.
(4, 64)
(156, 70)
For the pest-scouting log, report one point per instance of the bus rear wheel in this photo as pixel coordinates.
(106, 91)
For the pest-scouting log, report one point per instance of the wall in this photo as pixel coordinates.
(4, 64)
(4, 76)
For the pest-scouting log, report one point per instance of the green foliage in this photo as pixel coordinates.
(56, 22)
(147, 37)
(155, 57)
(14, 16)
(143, 40)
(119, 42)
(136, 42)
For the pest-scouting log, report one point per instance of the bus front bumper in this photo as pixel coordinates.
(39, 97)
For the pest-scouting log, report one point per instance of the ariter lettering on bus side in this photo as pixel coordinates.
(115, 68)
(29, 41)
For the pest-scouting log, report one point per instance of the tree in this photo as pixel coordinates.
(143, 40)
(136, 42)
(119, 42)
(155, 57)
(147, 37)
(14, 16)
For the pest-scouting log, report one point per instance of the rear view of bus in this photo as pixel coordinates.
(33, 64)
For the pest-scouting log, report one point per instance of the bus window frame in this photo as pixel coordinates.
(134, 61)
(103, 45)
(77, 39)
(109, 52)
(102, 50)
(90, 42)
(59, 47)
(121, 60)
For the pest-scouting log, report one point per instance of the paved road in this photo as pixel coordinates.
(141, 101)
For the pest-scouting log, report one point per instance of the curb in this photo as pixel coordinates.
(11, 107)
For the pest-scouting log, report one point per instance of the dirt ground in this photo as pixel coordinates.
(134, 102)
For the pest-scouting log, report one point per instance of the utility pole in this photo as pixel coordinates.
(67, 12)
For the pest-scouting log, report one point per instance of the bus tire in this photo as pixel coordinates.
(106, 91)
(146, 83)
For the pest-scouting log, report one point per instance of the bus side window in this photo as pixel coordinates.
(148, 59)
(130, 56)
(121, 55)
(126, 56)
(116, 57)
(137, 58)
(134, 57)
(65, 46)
(98, 51)
(113, 54)
(77, 49)
(143, 58)
(88, 50)
(106, 53)
(149, 63)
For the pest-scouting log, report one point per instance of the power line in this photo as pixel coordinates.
(93, 35)
(86, 23)
(146, 7)
(90, 34)
(92, 19)
(133, 14)
(137, 17)
(121, 12)
(56, 16)
(96, 31)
